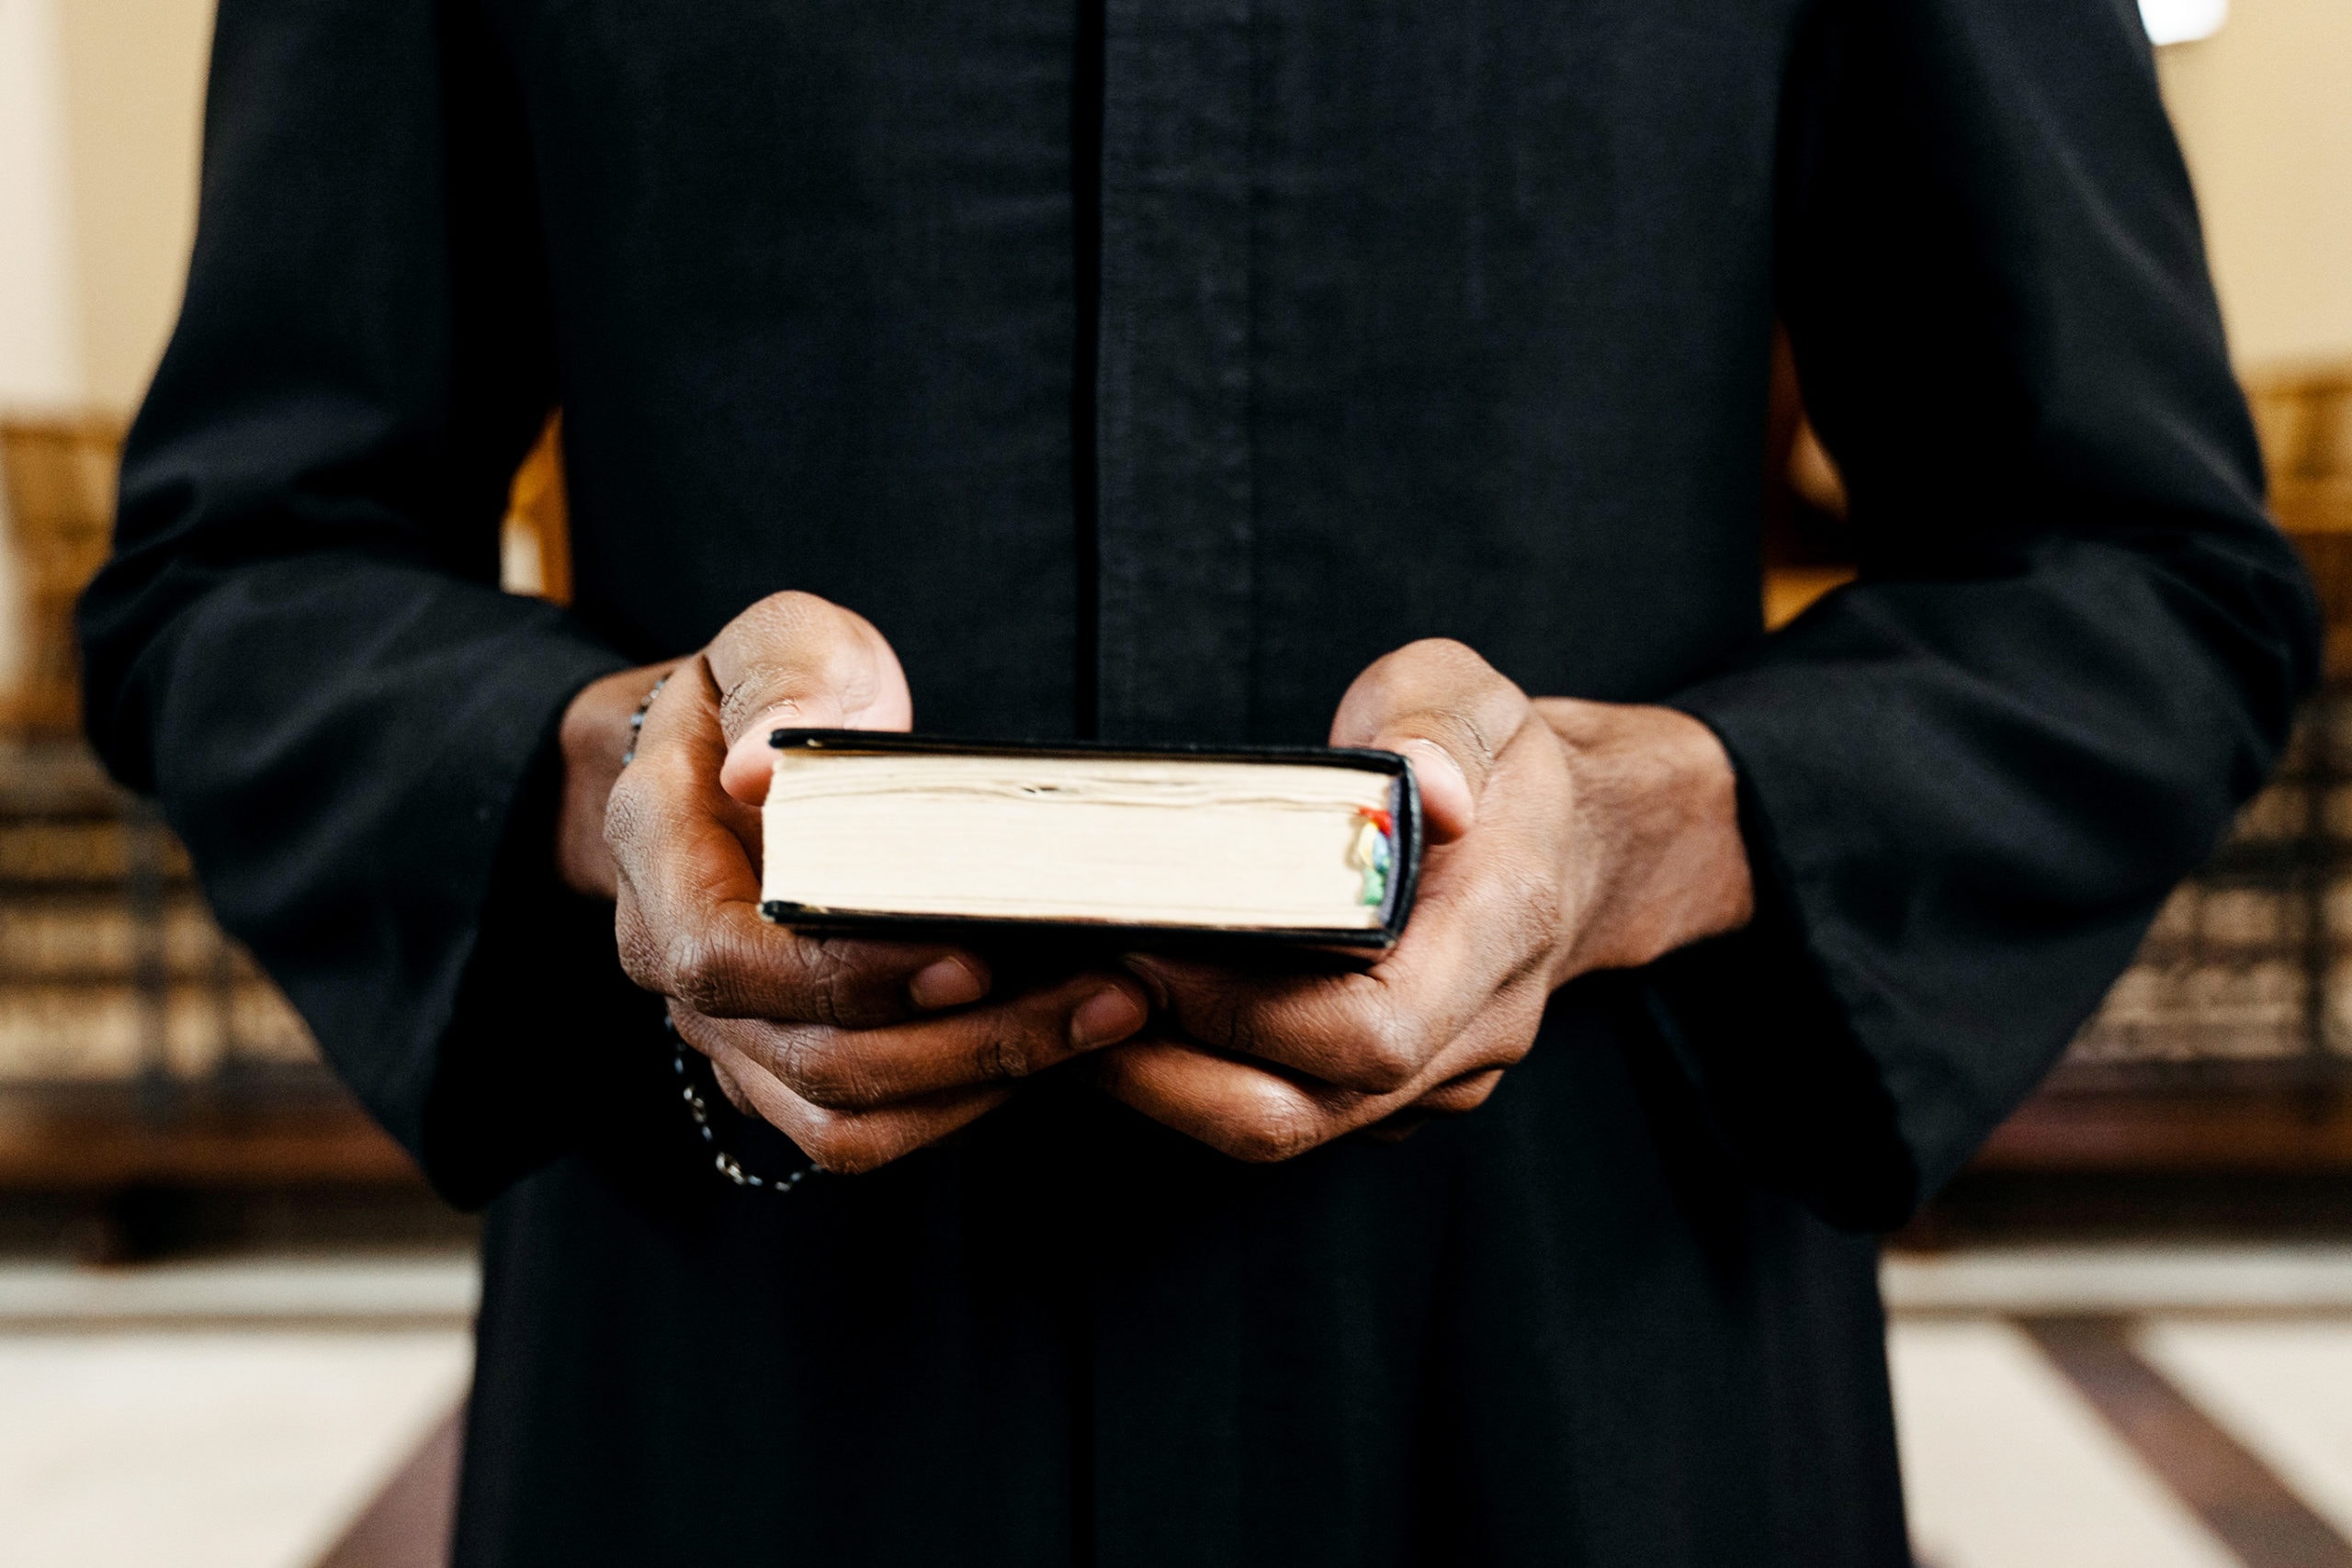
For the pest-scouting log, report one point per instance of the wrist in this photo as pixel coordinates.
(1657, 860)
(594, 738)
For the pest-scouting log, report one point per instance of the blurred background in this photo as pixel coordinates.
(232, 1321)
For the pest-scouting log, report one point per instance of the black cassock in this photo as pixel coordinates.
(1148, 370)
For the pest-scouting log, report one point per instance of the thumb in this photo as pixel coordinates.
(793, 660)
(1448, 712)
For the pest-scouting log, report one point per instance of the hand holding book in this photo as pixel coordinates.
(859, 1050)
(1564, 836)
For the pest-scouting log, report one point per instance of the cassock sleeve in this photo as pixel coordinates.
(2076, 641)
(299, 645)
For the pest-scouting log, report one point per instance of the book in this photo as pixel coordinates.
(1308, 845)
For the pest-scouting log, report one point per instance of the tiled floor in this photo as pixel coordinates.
(2136, 1406)
(216, 1415)
(235, 1448)
(2006, 1467)
(2133, 1408)
(2283, 1389)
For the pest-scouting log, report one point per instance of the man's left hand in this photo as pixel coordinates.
(1564, 837)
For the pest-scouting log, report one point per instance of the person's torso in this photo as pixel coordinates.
(1351, 326)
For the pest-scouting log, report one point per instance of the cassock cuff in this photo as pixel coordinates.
(1753, 1020)
(550, 1048)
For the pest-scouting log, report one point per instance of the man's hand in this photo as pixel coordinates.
(858, 1051)
(1564, 836)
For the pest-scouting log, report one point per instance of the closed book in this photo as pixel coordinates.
(1311, 845)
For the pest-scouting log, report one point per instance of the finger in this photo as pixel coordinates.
(1376, 1030)
(1259, 1114)
(1456, 1097)
(844, 1143)
(1353, 1030)
(866, 1069)
(686, 915)
(732, 1088)
(1235, 1108)
(1460, 1095)
(793, 660)
(1448, 711)
(1488, 919)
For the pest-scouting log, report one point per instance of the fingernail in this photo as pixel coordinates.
(1105, 1018)
(1446, 789)
(1150, 977)
(1433, 760)
(948, 983)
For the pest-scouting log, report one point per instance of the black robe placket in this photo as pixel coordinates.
(1175, 523)
(1148, 370)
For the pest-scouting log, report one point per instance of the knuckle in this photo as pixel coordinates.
(762, 685)
(792, 1058)
(813, 1064)
(1511, 1046)
(1387, 1064)
(1417, 660)
(1274, 1132)
(789, 608)
(1391, 1047)
(1003, 1054)
(625, 814)
(1533, 907)
(1476, 1091)
(730, 1083)
(1377, 1074)
(1510, 1042)
(1442, 655)
(842, 1143)
(1461, 735)
(641, 954)
(775, 654)
(694, 972)
(696, 1030)
(825, 1140)
(828, 988)
(763, 623)
(1440, 690)
(1433, 665)
(1239, 1030)
(1462, 1095)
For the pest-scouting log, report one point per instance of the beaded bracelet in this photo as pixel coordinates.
(637, 721)
(727, 1164)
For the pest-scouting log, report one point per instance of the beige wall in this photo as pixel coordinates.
(134, 107)
(41, 347)
(2265, 112)
(2265, 109)
(100, 109)
(101, 103)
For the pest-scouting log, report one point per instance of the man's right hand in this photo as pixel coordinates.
(858, 1051)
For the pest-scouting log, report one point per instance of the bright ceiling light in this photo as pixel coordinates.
(2183, 22)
